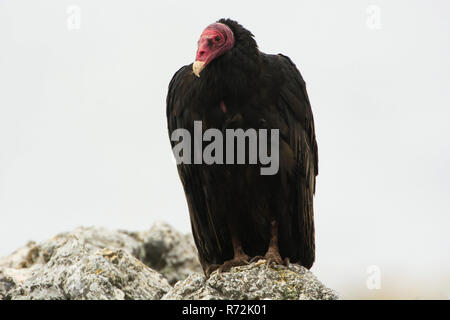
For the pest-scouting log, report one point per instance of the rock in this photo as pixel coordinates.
(169, 252)
(21, 258)
(30, 271)
(17, 267)
(96, 263)
(255, 281)
(6, 284)
(79, 270)
(162, 248)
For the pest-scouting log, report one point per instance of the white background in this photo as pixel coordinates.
(83, 137)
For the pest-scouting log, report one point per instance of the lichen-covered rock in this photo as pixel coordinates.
(255, 281)
(168, 251)
(79, 270)
(6, 284)
(98, 237)
(26, 272)
(23, 257)
(97, 263)
(162, 248)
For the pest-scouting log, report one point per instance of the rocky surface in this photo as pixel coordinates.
(255, 281)
(77, 270)
(160, 263)
(168, 251)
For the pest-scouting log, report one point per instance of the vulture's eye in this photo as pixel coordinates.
(217, 38)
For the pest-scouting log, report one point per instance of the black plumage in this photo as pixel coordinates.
(233, 207)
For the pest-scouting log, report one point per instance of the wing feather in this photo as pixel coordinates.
(180, 103)
(295, 107)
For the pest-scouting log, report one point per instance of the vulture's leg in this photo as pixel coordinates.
(239, 258)
(273, 253)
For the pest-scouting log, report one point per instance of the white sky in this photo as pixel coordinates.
(83, 138)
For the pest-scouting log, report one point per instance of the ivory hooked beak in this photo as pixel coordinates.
(197, 67)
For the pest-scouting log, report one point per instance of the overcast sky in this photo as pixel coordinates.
(83, 135)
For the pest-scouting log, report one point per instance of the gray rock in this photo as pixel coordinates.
(169, 252)
(24, 257)
(6, 284)
(255, 281)
(41, 253)
(162, 248)
(32, 271)
(96, 263)
(78, 270)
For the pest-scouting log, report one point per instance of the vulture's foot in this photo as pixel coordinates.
(227, 265)
(273, 253)
(272, 257)
(211, 268)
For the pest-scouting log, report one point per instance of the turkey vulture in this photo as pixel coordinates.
(237, 214)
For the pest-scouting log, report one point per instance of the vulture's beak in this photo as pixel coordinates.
(197, 67)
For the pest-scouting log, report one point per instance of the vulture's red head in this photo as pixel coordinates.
(214, 41)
